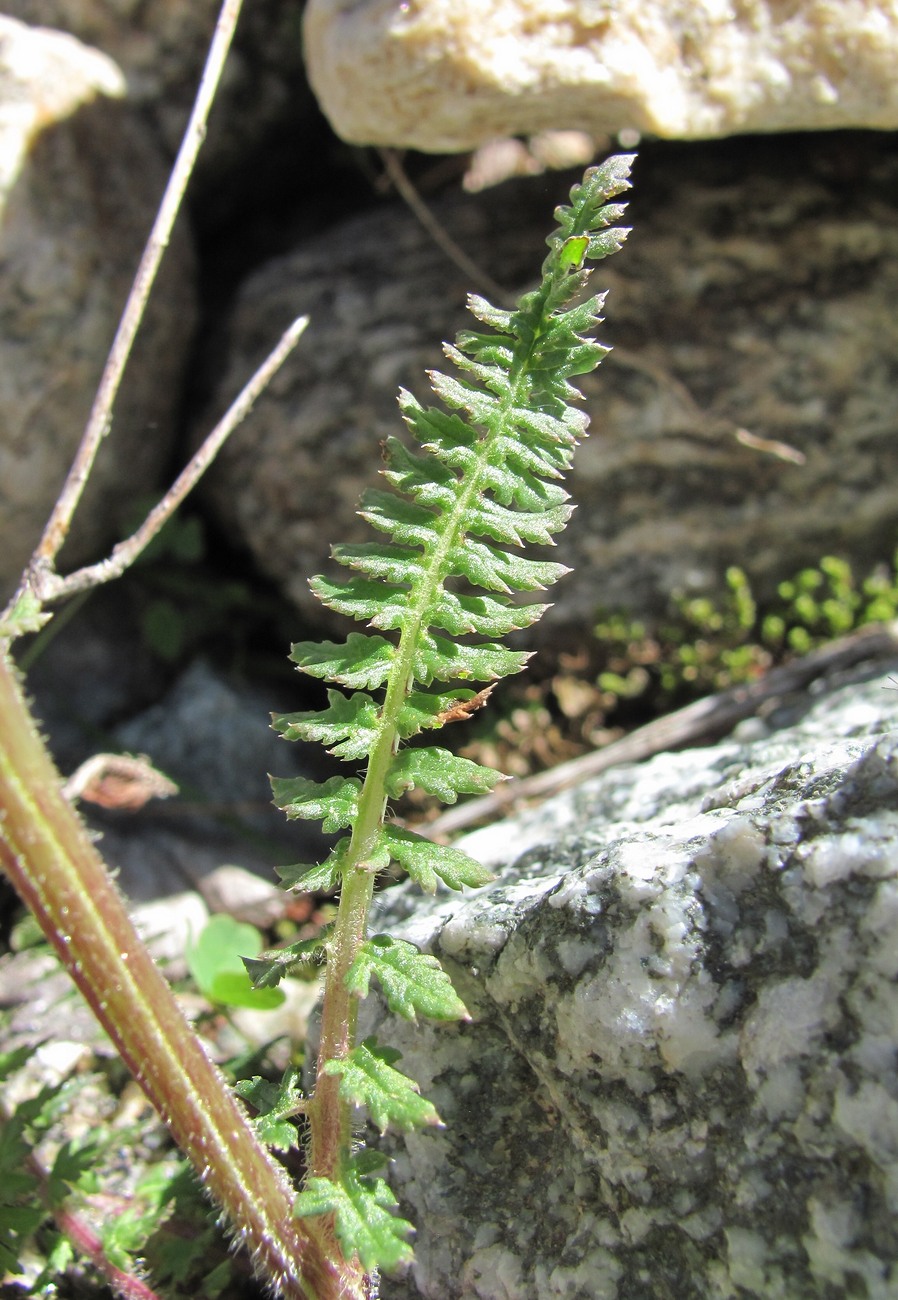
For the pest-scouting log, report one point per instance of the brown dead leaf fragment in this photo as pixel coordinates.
(118, 781)
(463, 709)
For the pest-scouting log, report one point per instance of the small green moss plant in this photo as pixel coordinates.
(442, 589)
(709, 645)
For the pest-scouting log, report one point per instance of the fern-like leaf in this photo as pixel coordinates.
(427, 863)
(275, 1104)
(412, 981)
(362, 1207)
(367, 1078)
(440, 587)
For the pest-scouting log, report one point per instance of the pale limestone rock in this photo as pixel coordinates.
(157, 46)
(79, 181)
(44, 77)
(445, 75)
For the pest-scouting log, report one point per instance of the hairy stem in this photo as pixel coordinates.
(52, 863)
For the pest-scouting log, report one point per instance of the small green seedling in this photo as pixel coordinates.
(214, 960)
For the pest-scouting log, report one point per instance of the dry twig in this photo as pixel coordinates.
(40, 573)
(52, 586)
(702, 722)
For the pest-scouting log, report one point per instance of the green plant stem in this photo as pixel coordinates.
(45, 850)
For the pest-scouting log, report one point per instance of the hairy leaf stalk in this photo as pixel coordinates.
(482, 483)
(48, 856)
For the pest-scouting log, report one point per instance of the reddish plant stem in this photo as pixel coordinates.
(87, 1243)
(55, 868)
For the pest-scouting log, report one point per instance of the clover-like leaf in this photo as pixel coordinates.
(214, 959)
(412, 981)
(367, 1078)
(363, 1209)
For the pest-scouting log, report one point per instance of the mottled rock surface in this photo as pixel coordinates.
(756, 293)
(443, 75)
(80, 180)
(680, 1076)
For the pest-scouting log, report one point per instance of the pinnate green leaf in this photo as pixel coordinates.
(486, 615)
(335, 802)
(420, 475)
(386, 560)
(412, 981)
(348, 727)
(26, 616)
(444, 660)
(275, 1104)
(406, 521)
(363, 1209)
(497, 570)
(440, 773)
(311, 878)
(514, 527)
(424, 710)
(361, 662)
(268, 969)
(427, 863)
(368, 1079)
(495, 317)
(382, 604)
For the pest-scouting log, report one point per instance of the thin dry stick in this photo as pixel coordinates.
(438, 234)
(697, 723)
(100, 419)
(53, 586)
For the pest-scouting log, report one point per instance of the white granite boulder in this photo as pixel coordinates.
(680, 1079)
(447, 75)
(161, 49)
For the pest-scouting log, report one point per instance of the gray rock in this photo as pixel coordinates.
(680, 1075)
(243, 895)
(755, 293)
(80, 180)
(212, 736)
(442, 77)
